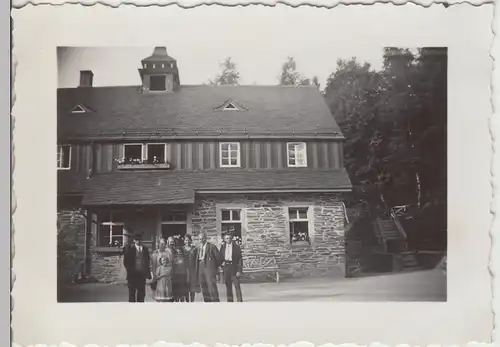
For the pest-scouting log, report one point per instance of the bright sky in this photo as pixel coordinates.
(258, 42)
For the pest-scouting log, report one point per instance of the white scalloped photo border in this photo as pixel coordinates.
(494, 126)
(194, 3)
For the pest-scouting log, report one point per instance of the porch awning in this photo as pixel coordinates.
(179, 187)
(136, 189)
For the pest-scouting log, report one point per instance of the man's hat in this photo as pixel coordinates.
(137, 236)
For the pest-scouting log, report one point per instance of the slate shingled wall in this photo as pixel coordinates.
(267, 231)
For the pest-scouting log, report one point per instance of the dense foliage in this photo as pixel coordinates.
(229, 74)
(394, 121)
(291, 77)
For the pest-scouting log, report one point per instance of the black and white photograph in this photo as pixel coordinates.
(288, 187)
(322, 174)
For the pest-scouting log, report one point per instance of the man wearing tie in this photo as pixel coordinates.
(137, 263)
(208, 262)
(232, 265)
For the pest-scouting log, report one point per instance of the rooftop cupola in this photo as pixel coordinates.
(159, 72)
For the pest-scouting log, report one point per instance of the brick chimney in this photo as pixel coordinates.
(86, 78)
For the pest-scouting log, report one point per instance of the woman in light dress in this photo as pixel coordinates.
(162, 273)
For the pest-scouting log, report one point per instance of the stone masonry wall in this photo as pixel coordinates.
(108, 268)
(267, 231)
(70, 245)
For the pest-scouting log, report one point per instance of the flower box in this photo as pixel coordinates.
(144, 166)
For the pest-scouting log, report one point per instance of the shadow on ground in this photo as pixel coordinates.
(426, 285)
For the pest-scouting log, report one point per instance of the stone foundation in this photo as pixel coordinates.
(266, 231)
(108, 268)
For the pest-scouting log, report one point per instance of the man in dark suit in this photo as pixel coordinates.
(207, 263)
(136, 260)
(232, 265)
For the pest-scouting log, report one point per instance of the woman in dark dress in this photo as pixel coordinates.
(180, 272)
(192, 278)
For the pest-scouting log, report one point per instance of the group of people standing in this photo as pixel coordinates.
(178, 269)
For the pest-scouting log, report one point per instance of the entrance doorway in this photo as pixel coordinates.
(168, 230)
(173, 223)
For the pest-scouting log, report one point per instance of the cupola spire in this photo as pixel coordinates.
(159, 72)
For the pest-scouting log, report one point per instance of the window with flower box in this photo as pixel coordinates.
(111, 227)
(155, 153)
(299, 225)
(230, 154)
(63, 157)
(132, 153)
(297, 154)
(231, 222)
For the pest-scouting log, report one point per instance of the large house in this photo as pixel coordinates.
(165, 159)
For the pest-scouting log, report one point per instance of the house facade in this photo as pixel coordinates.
(166, 159)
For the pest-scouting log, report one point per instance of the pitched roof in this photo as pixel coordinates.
(70, 183)
(125, 188)
(159, 54)
(125, 112)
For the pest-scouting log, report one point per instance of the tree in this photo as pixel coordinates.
(290, 77)
(229, 74)
(315, 81)
(394, 121)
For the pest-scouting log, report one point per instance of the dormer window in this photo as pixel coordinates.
(79, 109)
(158, 83)
(230, 107)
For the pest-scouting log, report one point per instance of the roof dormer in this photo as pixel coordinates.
(80, 108)
(230, 105)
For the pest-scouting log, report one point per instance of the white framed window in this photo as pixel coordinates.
(132, 152)
(230, 154)
(162, 66)
(63, 157)
(174, 223)
(299, 224)
(154, 66)
(231, 221)
(296, 154)
(111, 229)
(156, 153)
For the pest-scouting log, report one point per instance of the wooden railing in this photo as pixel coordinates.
(398, 224)
(399, 210)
